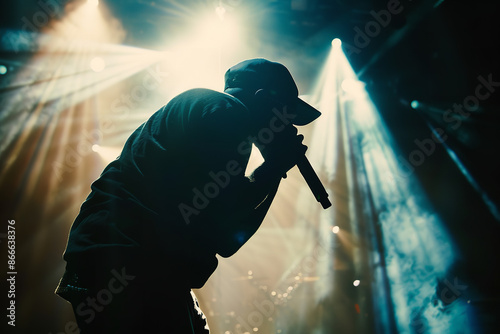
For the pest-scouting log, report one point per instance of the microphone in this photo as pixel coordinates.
(303, 164)
(313, 182)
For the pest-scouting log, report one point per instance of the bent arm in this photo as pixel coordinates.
(254, 202)
(237, 213)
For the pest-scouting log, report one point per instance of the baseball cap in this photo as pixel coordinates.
(261, 74)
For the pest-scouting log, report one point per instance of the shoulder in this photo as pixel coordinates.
(208, 98)
(201, 106)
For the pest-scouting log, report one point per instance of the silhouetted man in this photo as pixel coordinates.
(157, 216)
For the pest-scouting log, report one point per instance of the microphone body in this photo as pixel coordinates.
(313, 182)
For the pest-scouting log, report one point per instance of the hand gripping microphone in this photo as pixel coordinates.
(303, 164)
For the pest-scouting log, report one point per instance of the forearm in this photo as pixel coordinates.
(247, 214)
(264, 182)
(242, 206)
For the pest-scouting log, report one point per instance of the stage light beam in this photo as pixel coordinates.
(217, 30)
(353, 87)
(221, 12)
(92, 3)
(199, 53)
(412, 235)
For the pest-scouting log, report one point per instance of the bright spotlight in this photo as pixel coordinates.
(335, 229)
(220, 11)
(414, 104)
(97, 64)
(3, 69)
(336, 42)
(92, 3)
(356, 282)
(212, 31)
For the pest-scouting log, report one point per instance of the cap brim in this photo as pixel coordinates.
(305, 113)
